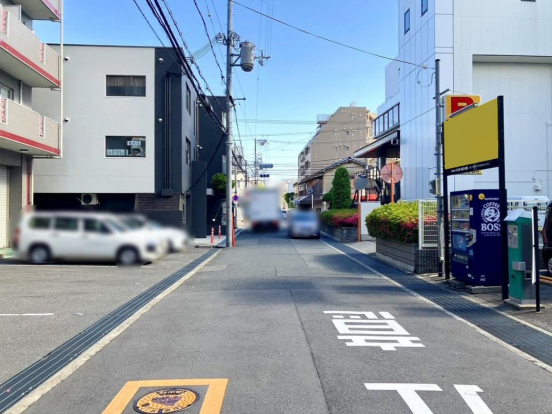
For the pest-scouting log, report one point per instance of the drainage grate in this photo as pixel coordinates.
(529, 340)
(18, 386)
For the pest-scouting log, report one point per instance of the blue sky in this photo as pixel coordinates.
(304, 77)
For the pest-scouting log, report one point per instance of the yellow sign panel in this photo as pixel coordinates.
(455, 103)
(471, 139)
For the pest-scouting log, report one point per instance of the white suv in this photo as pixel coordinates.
(42, 237)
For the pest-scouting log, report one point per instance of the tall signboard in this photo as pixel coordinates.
(473, 140)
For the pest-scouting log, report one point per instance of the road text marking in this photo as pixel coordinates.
(409, 394)
(27, 314)
(366, 329)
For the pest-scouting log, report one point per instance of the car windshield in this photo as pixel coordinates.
(133, 223)
(116, 225)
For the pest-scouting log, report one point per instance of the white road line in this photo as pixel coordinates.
(458, 318)
(474, 401)
(36, 394)
(27, 314)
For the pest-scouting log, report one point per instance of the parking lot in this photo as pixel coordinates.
(42, 306)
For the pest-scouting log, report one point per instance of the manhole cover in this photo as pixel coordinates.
(168, 400)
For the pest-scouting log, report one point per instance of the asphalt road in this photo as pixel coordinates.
(297, 327)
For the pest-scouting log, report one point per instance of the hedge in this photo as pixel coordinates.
(340, 218)
(394, 221)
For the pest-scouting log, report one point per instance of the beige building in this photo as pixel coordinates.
(312, 188)
(338, 136)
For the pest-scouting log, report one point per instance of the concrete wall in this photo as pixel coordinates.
(92, 116)
(365, 209)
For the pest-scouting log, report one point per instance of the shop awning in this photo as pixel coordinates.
(378, 148)
(308, 199)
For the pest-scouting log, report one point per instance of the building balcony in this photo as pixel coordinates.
(23, 130)
(323, 119)
(24, 56)
(41, 9)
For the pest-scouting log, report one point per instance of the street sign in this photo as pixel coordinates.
(391, 173)
(455, 103)
(235, 198)
(361, 182)
(471, 140)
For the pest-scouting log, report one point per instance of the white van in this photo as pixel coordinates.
(42, 237)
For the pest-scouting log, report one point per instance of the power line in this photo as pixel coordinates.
(326, 39)
(208, 37)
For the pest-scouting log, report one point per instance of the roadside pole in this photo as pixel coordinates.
(229, 212)
(536, 259)
(438, 159)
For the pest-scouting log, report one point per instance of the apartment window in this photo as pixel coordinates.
(5, 92)
(407, 21)
(188, 152)
(335, 134)
(188, 99)
(125, 85)
(425, 5)
(125, 146)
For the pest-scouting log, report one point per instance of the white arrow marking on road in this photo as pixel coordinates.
(408, 394)
(474, 401)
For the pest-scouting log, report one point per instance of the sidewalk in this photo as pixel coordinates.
(206, 241)
(494, 301)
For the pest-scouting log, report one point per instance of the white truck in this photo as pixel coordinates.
(261, 208)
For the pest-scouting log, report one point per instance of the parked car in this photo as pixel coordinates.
(43, 237)
(547, 239)
(174, 239)
(304, 224)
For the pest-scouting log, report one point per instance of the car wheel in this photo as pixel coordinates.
(128, 256)
(39, 254)
(549, 266)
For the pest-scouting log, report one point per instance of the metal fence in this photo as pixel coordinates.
(427, 218)
(428, 233)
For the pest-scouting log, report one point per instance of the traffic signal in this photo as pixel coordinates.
(264, 175)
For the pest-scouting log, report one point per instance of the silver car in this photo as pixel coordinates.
(304, 224)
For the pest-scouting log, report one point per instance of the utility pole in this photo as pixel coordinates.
(229, 44)
(438, 159)
(255, 163)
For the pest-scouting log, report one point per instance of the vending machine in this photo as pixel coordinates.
(476, 237)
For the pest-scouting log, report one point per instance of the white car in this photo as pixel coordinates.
(42, 237)
(176, 240)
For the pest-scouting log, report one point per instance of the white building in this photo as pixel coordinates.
(487, 48)
(130, 127)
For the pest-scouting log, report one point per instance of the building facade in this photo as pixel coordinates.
(338, 136)
(490, 48)
(130, 126)
(26, 65)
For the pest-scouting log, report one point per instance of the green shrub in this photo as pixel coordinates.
(394, 221)
(340, 218)
(218, 183)
(328, 197)
(341, 189)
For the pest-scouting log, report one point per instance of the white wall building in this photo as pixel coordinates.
(487, 48)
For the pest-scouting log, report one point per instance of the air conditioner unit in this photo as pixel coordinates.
(89, 199)
(395, 141)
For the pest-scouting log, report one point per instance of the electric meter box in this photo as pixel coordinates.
(520, 257)
(476, 237)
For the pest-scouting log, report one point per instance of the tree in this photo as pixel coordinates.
(341, 189)
(218, 183)
(289, 197)
(328, 198)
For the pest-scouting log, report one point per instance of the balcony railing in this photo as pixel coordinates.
(23, 129)
(322, 119)
(41, 9)
(24, 56)
(386, 121)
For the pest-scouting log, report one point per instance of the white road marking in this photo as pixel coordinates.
(364, 328)
(474, 401)
(27, 314)
(49, 384)
(458, 318)
(408, 394)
